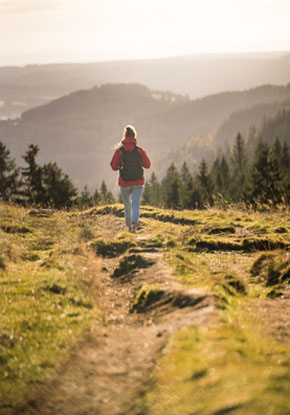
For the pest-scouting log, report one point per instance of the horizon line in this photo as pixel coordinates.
(278, 53)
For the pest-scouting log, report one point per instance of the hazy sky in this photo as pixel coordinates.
(44, 31)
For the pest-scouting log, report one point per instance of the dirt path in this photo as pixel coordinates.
(109, 370)
(274, 315)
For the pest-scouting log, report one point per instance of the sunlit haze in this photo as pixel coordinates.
(48, 31)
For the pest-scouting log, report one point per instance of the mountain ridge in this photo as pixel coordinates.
(195, 75)
(79, 130)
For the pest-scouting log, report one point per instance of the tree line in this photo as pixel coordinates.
(259, 180)
(44, 186)
(235, 177)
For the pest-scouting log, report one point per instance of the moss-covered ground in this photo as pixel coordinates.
(49, 267)
(234, 367)
(48, 299)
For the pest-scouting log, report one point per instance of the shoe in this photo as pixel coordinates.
(134, 227)
(129, 228)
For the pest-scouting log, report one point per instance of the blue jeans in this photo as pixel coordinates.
(131, 197)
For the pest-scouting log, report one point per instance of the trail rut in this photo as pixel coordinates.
(111, 368)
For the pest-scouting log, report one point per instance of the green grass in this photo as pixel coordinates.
(227, 370)
(233, 368)
(47, 298)
(48, 274)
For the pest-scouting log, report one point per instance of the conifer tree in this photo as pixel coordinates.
(265, 182)
(170, 188)
(285, 171)
(239, 168)
(33, 191)
(59, 190)
(184, 173)
(146, 195)
(96, 197)
(104, 190)
(186, 189)
(225, 176)
(220, 175)
(205, 185)
(155, 191)
(106, 196)
(277, 151)
(85, 199)
(9, 173)
(216, 176)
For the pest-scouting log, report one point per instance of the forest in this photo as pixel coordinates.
(259, 180)
(79, 131)
(190, 314)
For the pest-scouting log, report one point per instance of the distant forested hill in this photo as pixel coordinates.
(22, 88)
(266, 122)
(243, 121)
(276, 127)
(78, 130)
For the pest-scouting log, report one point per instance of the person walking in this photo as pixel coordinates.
(130, 160)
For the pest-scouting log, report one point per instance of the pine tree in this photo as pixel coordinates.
(216, 176)
(9, 173)
(225, 175)
(186, 187)
(220, 175)
(155, 191)
(146, 195)
(170, 188)
(205, 185)
(239, 168)
(151, 195)
(96, 197)
(104, 190)
(85, 199)
(284, 165)
(265, 183)
(106, 196)
(277, 150)
(59, 190)
(285, 157)
(33, 191)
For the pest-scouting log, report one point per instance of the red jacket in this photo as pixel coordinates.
(129, 144)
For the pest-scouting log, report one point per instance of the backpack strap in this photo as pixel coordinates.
(124, 151)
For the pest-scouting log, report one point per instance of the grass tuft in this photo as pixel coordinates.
(147, 296)
(131, 264)
(111, 249)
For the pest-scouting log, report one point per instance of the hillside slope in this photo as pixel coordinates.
(196, 76)
(155, 322)
(79, 130)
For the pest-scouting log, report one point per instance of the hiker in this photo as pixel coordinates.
(130, 160)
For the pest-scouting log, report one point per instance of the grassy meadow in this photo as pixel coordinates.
(235, 367)
(50, 300)
(48, 297)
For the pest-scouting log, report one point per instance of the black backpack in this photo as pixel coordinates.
(131, 165)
